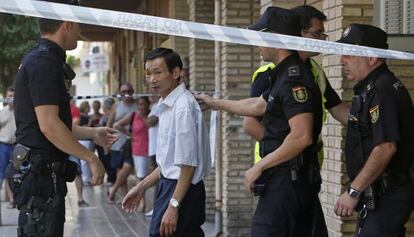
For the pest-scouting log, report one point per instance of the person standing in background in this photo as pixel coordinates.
(105, 155)
(139, 137)
(76, 120)
(7, 139)
(119, 162)
(84, 118)
(152, 123)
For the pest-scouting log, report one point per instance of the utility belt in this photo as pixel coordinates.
(302, 169)
(386, 183)
(25, 160)
(41, 212)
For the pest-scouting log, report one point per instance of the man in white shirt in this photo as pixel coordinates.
(183, 155)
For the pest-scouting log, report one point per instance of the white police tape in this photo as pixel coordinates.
(118, 96)
(189, 29)
(89, 97)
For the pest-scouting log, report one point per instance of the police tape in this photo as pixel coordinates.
(118, 96)
(90, 97)
(153, 24)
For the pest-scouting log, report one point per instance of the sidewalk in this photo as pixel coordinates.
(99, 220)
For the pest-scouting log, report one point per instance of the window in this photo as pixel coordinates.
(396, 17)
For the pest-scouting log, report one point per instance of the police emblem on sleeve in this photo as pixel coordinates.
(300, 94)
(374, 112)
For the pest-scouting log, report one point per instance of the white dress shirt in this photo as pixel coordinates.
(152, 132)
(182, 136)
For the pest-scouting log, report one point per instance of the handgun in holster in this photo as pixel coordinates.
(295, 166)
(41, 217)
(21, 164)
(260, 184)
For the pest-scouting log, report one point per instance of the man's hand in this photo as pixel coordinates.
(97, 170)
(205, 101)
(169, 221)
(251, 175)
(345, 205)
(132, 199)
(104, 136)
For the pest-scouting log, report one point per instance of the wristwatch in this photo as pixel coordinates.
(174, 203)
(353, 193)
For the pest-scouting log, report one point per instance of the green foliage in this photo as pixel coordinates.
(17, 35)
(72, 61)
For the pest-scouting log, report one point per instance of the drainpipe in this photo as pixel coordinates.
(218, 224)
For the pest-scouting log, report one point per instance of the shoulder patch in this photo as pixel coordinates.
(293, 71)
(300, 94)
(374, 113)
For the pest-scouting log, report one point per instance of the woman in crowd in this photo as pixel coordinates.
(139, 141)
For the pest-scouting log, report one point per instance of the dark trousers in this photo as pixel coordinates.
(106, 161)
(191, 214)
(41, 186)
(57, 222)
(389, 217)
(288, 209)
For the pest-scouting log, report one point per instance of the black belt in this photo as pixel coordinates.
(43, 163)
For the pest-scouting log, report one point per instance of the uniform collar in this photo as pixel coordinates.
(54, 48)
(370, 78)
(173, 96)
(282, 66)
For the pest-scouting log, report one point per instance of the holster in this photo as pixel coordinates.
(41, 217)
(70, 171)
(260, 184)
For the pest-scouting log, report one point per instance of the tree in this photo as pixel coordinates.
(18, 34)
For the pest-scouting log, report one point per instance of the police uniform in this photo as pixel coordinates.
(381, 111)
(43, 79)
(287, 205)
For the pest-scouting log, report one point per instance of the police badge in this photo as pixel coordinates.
(374, 112)
(300, 94)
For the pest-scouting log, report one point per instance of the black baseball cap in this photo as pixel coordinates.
(364, 35)
(278, 20)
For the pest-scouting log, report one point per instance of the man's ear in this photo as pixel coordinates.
(372, 61)
(66, 26)
(176, 73)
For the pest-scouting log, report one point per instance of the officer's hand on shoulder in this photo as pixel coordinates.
(205, 101)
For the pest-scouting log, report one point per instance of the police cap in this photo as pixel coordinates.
(364, 35)
(278, 20)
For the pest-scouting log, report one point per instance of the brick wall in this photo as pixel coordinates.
(237, 65)
(201, 57)
(179, 10)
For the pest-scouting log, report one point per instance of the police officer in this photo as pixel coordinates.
(45, 135)
(286, 174)
(379, 146)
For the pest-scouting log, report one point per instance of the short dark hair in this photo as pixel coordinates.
(171, 58)
(126, 84)
(48, 26)
(10, 89)
(306, 13)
